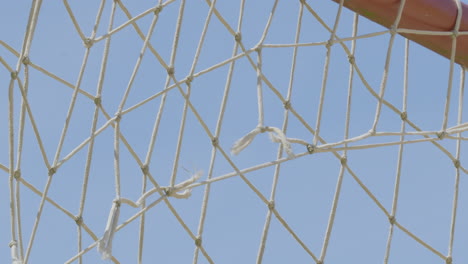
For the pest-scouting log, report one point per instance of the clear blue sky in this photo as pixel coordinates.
(235, 215)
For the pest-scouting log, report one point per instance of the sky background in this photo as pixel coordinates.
(235, 215)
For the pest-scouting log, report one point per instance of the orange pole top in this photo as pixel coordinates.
(433, 15)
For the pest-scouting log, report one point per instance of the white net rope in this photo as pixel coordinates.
(151, 119)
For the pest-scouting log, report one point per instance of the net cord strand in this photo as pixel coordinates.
(261, 77)
(399, 165)
(266, 226)
(97, 101)
(456, 190)
(15, 221)
(343, 160)
(227, 87)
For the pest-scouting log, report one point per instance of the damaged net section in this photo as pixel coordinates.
(227, 132)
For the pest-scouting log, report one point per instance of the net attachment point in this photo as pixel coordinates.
(456, 163)
(287, 105)
(258, 48)
(215, 142)
(145, 169)
(271, 205)
(343, 161)
(12, 243)
(118, 117)
(171, 71)
(52, 171)
(404, 116)
(448, 260)
(238, 37)
(189, 80)
(14, 75)
(392, 219)
(17, 174)
(168, 191)
(26, 60)
(79, 220)
(351, 59)
(88, 43)
(158, 9)
(198, 242)
(310, 148)
(441, 135)
(97, 101)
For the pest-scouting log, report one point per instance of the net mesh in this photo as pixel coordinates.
(226, 132)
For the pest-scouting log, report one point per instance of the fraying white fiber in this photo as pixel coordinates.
(187, 182)
(245, 141)
(105, 243)
(276, 135)
(184, 194)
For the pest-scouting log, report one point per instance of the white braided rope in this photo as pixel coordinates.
(24, 124)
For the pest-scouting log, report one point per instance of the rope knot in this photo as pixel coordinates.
(12, 243)
(97, 101)
(258, 48)
(215, 142)
(168, 191)
(14, 75)
(393, 29)
(170, 71)
(238, 37)
(448, 260)
(441, 135)
(351, 59)
(455, 33)
(88, 43)
(343, 160)
(25, 60)
(392, 219)
(404, 116)
(118, 117)
(287, 105)
(456, 163)
(145, 169)
(79, 220)
(117, 202)
(17, 174)
(198, 241)
(52, 171)
(310, 148)
(329, 44)
(14, 252)
(158, 9)
(189, 80)
(271, 205)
